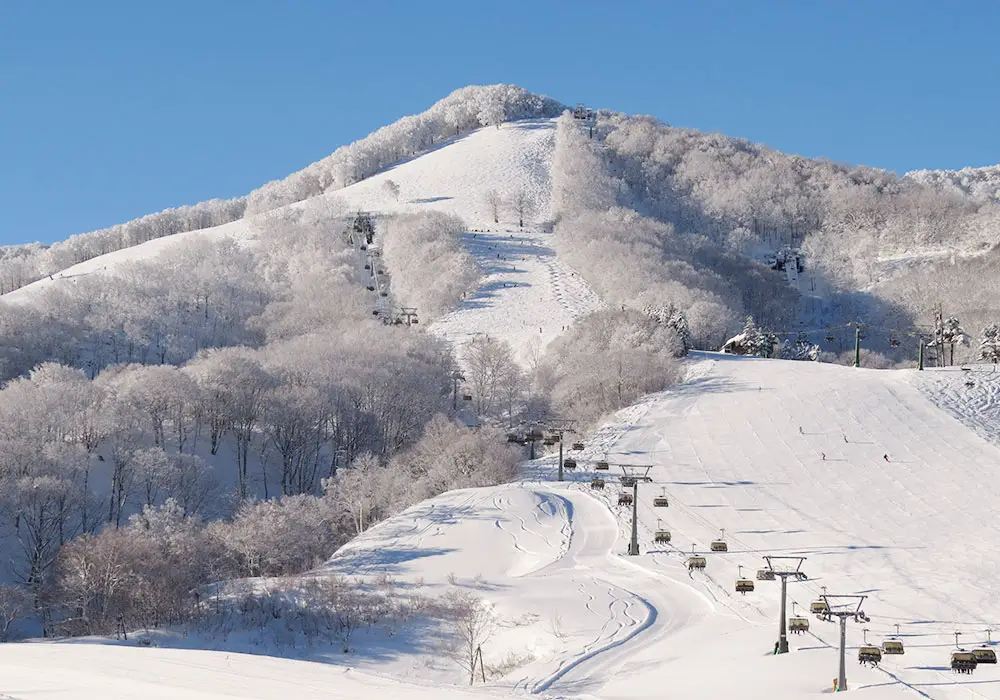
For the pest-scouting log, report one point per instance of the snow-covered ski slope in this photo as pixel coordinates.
(580, 619)
(739, 446)
(541, 294)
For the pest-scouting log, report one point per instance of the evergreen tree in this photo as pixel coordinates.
(989, 346)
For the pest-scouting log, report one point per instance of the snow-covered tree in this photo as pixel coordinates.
(989, 344)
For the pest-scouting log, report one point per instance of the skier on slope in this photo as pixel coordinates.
(885, 457)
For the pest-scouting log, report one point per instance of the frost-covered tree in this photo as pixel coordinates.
(801, 349)
(989, 344)
(494, 201)
(391, 188)
(429, 268)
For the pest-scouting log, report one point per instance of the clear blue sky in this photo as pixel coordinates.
(112, 109)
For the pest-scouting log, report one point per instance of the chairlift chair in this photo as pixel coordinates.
(370, 288)
(466, 397)
(367, 266)
(869, 654)
(628, 481)
(830, 338)
(720, 545)
(415, 321)
(597, 483)
(602, 465)
(744, 585)
(548, 442)
(661, 536)
(893, 341)
(513, 437)
(534, 434)
(556, 437)
(578, 446)
(624, 498)
(765, 575)
(963, 661)
(569, 464)
(798, 625)
(661, 500)
(819, 607)
(984, 655)
(893, 647)
(696, 561)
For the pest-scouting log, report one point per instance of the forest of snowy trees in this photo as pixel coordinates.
(689, 217)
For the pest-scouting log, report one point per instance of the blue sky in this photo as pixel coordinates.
(112, 109)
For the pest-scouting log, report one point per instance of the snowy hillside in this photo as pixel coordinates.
(980, 183)
(788, 457)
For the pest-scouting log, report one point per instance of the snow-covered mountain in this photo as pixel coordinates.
(589, 253)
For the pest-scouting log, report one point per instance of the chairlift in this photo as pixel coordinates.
(548, 442)
(383, 293)
(869, 654)
(534, 434)
(624, 498)
(569, 464)
(513, 437)
(466, 397)
(720, 545)
(556, 437)
(415, 321)
(661, 536)
(765, 575)
(367, 266)
(963, 661)
(743, 585)
(628, 481)
(696, 561)
(830, 338)
(819, 607)
(577, 446)
(602, 465)
(370, 288)
(893, 645)
(597, 483)
(798, 625)
(984, 655)
(661, 500)
(893, 340)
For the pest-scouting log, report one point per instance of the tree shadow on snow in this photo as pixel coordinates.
(429, 200)
(382, 560)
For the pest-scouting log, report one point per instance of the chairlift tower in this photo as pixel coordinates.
(456, 377)
(848, 608)
(631, 472)
(409, 313)
(785, 568)
(559, 426)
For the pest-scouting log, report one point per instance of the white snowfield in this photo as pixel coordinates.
(739, 446)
